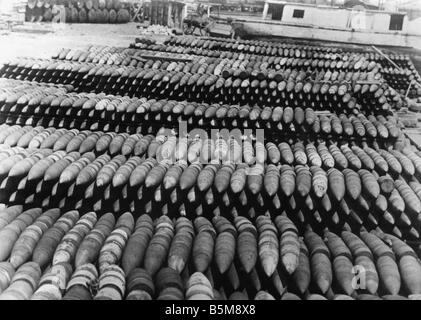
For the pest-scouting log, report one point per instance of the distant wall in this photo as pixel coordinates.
(6, 6)
(331, 18)
(414, 26)
(342, 18)
(412, 13)
(321, 2)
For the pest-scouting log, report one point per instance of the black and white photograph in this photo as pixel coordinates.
(222, 150)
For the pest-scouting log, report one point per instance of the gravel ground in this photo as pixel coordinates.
(41, 40)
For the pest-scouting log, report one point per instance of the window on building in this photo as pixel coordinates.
(277, 10)
(298, 13)
(396, 22)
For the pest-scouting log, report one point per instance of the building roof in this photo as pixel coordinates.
(353, 3)
(309, 5)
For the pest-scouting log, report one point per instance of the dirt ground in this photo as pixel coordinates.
(42, 40)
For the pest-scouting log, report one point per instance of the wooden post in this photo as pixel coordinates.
(169, 22)
(265, 10)
(386, 57)
(409, 88)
